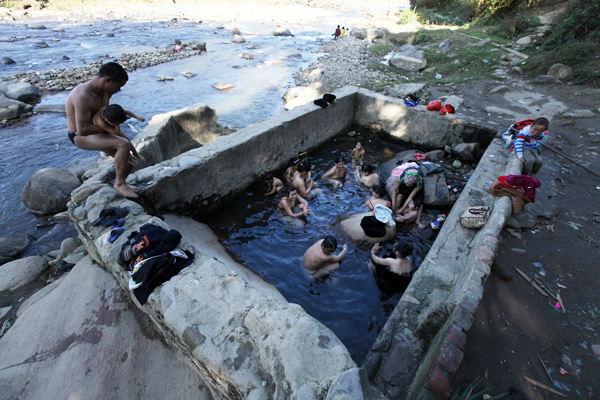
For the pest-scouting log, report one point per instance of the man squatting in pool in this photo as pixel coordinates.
(318, 259)
(84, 101)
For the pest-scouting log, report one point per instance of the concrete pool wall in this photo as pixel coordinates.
(243, 337)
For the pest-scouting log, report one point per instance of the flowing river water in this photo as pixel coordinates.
(40, 141)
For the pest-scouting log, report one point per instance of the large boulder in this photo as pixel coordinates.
(299, 96)
(196, 45)
(11, 246)
(22, 91)
(238, 39)
(20, 272)
(84, 339)
(435, 187)
(282, 32)
(445, 46)
(6, 60)
(48, 191)
(560, 71)
(10, 109)
(351, 227)
(409, 58)
(467, 152)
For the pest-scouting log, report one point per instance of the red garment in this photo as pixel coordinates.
(419, 156)
(447, 109)
(526, 182)
(435, 105)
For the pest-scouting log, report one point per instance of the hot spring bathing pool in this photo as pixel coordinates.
(349, 301)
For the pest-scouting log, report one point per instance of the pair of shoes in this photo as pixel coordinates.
(327, 99)
(109, 215)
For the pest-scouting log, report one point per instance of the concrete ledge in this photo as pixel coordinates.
(236, 330)
(426, 329)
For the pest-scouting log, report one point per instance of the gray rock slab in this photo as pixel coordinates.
(10, 109)
(6, 60)
(353, 385)
(11, 245)
(21, 91)
(282, 32)
(50, 108)
(577, 114)
(4, 311)
(445, 46)
(545, 80)
(20, 272)
(84, 340)
(455, 101)
(409, 58)
(49, 190)
(421, 90)
(499, 89)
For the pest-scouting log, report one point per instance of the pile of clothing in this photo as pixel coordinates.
(152, 258)
(520, 189)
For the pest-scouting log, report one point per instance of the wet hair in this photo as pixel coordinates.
(177, 41)
(361, 141)
(267, 176)
(294, 161)
(380, 190)
(542, 122)
(302, 154)
(114, 71)
(417, 201)
(304, 167)
(288, 189)
(340, 160)
(115, 114)
(366, 167)
(330, 242)
(403, 247)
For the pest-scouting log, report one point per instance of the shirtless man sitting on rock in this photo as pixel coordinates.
(84, 101)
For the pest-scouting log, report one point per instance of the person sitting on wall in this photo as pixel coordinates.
(337, 174)
(408, 186)
(318, 259)
(289, 202)
(365, 175)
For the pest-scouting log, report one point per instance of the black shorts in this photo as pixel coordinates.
(405, 191)
(72, 135)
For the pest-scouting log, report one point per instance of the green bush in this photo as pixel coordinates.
(581, 22)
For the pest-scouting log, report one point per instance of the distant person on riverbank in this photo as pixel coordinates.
(177, 46)
(84, 101)
(110, 119)
(337, 33)
(343, 32)
(318, 259)
(274, 185)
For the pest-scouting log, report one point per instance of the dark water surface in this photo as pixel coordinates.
(349, 302)
(40, 141)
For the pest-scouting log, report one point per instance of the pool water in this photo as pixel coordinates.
(349, 301)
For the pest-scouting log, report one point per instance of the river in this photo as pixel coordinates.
(40, 141)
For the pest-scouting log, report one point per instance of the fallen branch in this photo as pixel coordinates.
(563, 155)
(546, 369)
(530, 281)
(541, 385)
